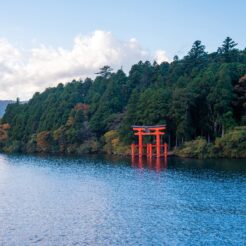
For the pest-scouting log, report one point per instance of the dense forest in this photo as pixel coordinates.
(201, 98)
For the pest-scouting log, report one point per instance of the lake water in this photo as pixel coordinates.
(111, 201)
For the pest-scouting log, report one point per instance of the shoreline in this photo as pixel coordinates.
(171, 154)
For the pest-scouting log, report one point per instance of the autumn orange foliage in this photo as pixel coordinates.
(83, 106)
(43, 141)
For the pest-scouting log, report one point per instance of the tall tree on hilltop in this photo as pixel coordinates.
(196, 57)
(105, 72)
(197, 51)
(227, 50)
(227, 46)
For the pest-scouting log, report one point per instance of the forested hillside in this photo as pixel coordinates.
(199, 96)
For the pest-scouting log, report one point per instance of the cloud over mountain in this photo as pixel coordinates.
(24, 72)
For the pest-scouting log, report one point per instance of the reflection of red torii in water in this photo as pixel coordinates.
(157, 131)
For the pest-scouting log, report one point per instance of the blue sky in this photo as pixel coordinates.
(32, 30)
(171, 25)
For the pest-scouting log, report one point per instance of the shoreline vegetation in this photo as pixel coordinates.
(201, 98)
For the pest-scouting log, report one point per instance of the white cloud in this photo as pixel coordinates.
(160, 56)
(23, 73)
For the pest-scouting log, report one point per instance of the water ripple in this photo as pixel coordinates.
(99, 201)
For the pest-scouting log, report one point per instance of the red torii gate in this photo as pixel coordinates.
(157, 131)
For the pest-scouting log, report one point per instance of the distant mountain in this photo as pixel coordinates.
(3, 105)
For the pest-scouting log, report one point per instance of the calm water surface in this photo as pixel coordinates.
(105, 201)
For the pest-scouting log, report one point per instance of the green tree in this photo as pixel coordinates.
(105, 72)
(227, 51)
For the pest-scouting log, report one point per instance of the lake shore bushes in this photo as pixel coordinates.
(231, 145)
(201, 96)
